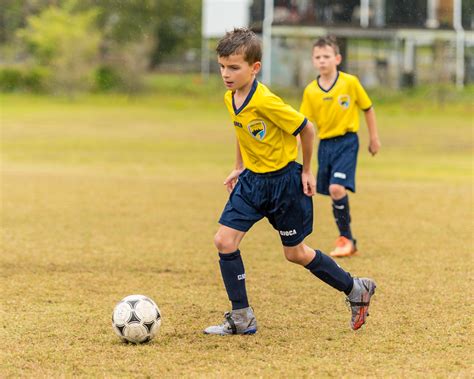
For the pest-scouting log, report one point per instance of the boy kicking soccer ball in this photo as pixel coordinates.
(332, 101)
(267, 182)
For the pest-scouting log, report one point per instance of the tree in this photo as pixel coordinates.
(66, 43)
(172, 25)
(178, 27)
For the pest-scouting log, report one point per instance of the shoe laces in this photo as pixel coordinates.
(229, 322)
(348, 304)
(227, 316)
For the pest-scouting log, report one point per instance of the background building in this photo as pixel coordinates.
(385, 42)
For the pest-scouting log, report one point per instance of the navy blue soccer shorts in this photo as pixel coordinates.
(278, 196)
(337, 160)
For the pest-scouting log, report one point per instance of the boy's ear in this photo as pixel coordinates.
(338, 59)
(256, 67)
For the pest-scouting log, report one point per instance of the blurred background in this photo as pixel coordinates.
(71, 46)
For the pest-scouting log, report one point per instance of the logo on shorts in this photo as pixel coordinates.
(257, 129)
(287, 233)
(241, 277)
(339, 175)
(344, 101)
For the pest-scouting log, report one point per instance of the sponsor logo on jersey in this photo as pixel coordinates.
(344, 101)
(238, 124)
(257, 129)
(287, 233)
(327, 98)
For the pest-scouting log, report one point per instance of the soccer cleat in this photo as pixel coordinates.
(344, 248)
(238, 321)
(359, 300)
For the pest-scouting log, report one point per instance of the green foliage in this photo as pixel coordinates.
(13, 15)
(65, 42)
(10, 79)
(71, 38)
(178, 28)
(16, 79)
(173, 25)
(107, 79)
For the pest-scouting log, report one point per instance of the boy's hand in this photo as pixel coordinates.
(374, 146)
(231, 180)
(309, 183)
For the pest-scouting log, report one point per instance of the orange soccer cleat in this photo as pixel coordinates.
(344, 248)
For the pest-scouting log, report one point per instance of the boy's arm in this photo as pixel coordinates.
(307, 143)
(231, 180)
(374, 145)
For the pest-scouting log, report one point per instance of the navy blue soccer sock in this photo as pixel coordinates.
(326, 269)
(341, 212)
(233, 274)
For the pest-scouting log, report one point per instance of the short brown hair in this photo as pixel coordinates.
(240, 41)
(327, 41)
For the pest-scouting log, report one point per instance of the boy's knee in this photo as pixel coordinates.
(294, 254)
(337, 191)
(292, 257)
(224, 244)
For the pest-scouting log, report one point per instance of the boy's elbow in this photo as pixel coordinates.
(369, 110)
(308, 128)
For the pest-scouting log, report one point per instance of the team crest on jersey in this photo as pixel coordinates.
(257, 129)
(344, 101)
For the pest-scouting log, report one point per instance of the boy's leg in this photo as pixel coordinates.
(358, 291)
(342, 178)
(321, 265)
(227, 241)
(241, 319)
(340, 210)
(345, 245)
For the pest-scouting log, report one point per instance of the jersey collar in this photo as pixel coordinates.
(247, 99)
(332, 85)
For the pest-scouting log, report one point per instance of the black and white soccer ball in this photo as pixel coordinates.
(136, 319)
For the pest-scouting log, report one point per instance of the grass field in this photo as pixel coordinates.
(107, 196)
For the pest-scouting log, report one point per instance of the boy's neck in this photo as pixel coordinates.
(244, 91)
(328, 79)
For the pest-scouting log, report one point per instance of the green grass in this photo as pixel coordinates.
(109, 196)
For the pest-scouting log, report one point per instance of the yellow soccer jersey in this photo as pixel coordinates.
(335, 111)
(266, 129)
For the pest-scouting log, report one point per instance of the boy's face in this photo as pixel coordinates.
(325, 59)
(236, 72)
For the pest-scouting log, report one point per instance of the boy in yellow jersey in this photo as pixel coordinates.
(333, 101)
(267, 182)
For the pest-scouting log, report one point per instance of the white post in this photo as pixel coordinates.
(379, 13)
(267, 43)
(457, 23)
(364, 13)
(432, 16)
(409, 56)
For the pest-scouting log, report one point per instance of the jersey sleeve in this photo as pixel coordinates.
(283, 115)
(362, 99)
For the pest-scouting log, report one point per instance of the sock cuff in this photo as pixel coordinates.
(315, 262)
(230, 256)
(343, 201)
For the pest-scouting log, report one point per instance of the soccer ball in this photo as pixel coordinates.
(136, 319)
